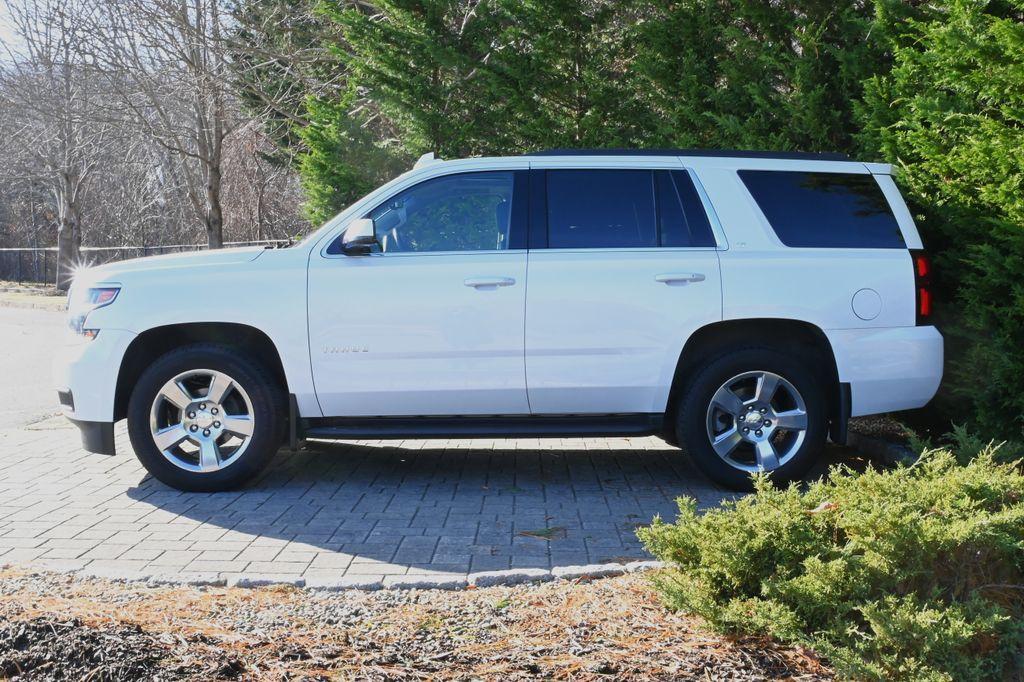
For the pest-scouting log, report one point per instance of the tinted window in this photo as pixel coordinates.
(681, 215)
(838, 210)
(601, 209)
(466, 212)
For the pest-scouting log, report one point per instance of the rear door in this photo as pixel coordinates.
(622, 269)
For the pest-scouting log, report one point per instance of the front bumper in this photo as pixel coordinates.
(88, 369)
(85, 376)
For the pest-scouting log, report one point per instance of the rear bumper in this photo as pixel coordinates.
(889, 369)
(97, 437)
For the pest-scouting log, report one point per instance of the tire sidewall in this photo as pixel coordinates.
(267, 405)
(691, 420)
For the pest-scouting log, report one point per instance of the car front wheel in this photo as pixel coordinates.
(205, 418)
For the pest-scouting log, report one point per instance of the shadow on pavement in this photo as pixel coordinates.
(445, 506)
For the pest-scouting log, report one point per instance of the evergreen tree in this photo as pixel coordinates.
(342, 160)
(949, 115)
(496, 76)
(563, 74)
(752, 74)
(421, 70)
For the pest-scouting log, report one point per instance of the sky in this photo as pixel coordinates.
(7, 36)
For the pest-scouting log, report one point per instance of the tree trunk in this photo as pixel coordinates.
(214, 210)
(69, 243)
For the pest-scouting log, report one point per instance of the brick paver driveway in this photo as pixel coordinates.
(363, 511)
(358, 512)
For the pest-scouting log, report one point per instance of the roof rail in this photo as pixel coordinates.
(719, 153)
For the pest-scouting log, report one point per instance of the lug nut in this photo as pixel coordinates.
(764, 410)
(746, 430)
(750, 408)
(214, 411)
(202, 406)
(191, 415)
(206, 432)
(759, 432)
(767, 423)
(216, 425)
(193, 428)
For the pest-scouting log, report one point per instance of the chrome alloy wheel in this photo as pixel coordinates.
(202, 420)
(757, 421)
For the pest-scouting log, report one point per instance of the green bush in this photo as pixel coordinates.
(915, 573)
(948, 115)
(967, 445)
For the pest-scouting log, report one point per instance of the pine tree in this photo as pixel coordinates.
(421, 70)
(753, 74)
(949, 115)
(563, 74)
(341, 160)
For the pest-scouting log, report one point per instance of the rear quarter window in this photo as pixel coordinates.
(829, 210)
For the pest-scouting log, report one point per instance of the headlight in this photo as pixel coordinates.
(84, 301)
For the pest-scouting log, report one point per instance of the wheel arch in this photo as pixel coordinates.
(783, 333)
(154, 342)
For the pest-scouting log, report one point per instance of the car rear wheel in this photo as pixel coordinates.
(205, 418)
(753, 410)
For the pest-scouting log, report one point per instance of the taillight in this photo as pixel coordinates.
(922, 285)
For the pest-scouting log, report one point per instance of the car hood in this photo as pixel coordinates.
(112, 272)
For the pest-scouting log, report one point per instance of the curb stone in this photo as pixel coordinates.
(115, 575)
(588, 571)
(265, 580)
(425, 582)
(191, 580)
(515, 576)
(341, 584)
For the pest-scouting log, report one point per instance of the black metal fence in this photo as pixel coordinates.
(39, 265)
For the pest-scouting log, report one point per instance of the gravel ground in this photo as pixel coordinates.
(881, 426)
(55, 627)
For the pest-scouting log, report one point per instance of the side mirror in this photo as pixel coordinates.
(359, 238)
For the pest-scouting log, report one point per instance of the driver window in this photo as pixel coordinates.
(465, 212)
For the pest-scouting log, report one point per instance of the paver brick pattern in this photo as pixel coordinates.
(361, 509)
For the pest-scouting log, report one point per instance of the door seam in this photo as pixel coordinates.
(526, 298)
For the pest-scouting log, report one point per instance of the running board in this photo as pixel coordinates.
(538, 426)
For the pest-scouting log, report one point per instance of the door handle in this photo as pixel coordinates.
(679, 277)
(488, 282)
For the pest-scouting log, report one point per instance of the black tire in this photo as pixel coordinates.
(268, 414)
(692, 414)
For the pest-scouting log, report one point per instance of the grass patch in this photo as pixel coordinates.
(548, 534)
(915, 573)
(430, 623)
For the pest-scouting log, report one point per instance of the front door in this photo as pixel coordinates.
(432, 324)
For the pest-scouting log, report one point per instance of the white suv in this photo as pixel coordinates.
(741, 304)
